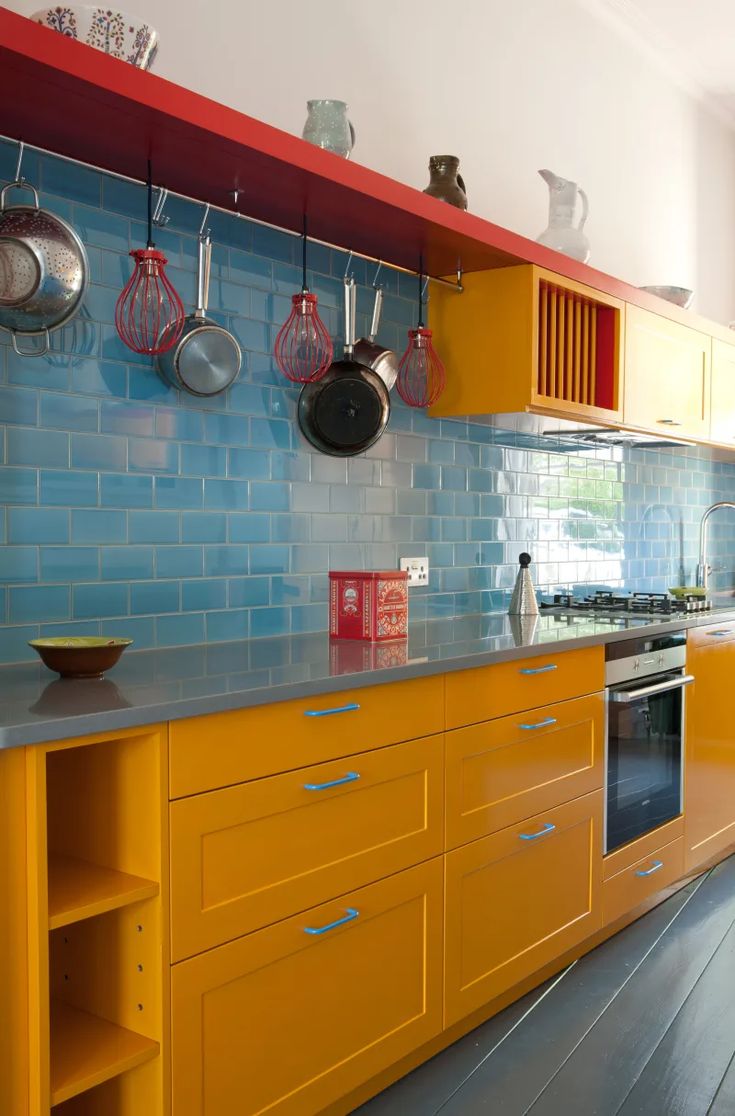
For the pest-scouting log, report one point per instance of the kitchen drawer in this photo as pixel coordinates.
(651, 874)
(519, 899)
(502, 771)
(291, 1018)
(252, 854)
(226, 748)
(496, 691)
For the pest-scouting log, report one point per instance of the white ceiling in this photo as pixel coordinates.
(694, 38)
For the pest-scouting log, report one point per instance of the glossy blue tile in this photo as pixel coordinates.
(69, 563)
(295, 528)
(18, 486)
(94, 377)
(179, 492)
(126, 418)
(184, 426)
(104, 599)
(152, 456)
(38, 525)
(204, 594)
(225, 561)
(309, 618)
(203, 461)
(229, 625)
(426, 476)
(126, 563)
(48, 371)
(38, 602)
(266, 559)
(106, 230)
(141, 629)
(273, 496)
(154, 597)
(98, 526)
(68, 412)
(226, 429)
(30, 446)
(68, 489)
(268, 622)
(228, 495)
(179, 561)
(14, 645)
(249, 527)
(145, 384)
(153, 527)
(245, 592)
(18, 406)
(18, 564)
(270, 433)
(251, 270)
(98, 451)
(204, 527)
(121, 490)
(178, 631)
(248, 463)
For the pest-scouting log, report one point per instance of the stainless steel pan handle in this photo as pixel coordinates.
(20, 184)
(30, 352)
(655, 688)
(350, 307)
(377, 311)
(204, 269)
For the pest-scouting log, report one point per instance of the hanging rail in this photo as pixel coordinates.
(164, 193)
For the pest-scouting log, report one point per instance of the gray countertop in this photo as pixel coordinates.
(164, 685)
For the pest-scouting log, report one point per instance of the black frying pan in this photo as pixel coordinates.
(346, 411)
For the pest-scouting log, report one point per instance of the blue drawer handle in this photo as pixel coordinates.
(350, 777)
(538, 670)
(351, 915)
(351, 708)
(548, 828)
(721, 632)
(540, 724)
(656, 865)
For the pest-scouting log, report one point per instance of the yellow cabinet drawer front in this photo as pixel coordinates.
(291, 1018)
(626, 890)
(250, 855)
(226, 748)
(502, 771)
(496, 691)
(518, 899)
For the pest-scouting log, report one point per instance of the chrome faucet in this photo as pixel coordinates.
(703, 569)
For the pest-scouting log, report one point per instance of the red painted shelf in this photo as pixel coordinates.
(76, 101)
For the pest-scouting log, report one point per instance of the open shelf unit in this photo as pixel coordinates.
(78, 889)
(87, 1050)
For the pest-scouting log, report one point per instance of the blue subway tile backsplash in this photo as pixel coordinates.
(131, 508)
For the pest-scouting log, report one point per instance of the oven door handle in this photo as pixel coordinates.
(656, 688)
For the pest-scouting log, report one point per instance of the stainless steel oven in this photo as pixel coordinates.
(646, 680)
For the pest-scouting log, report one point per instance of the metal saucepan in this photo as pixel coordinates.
(206, 359)
(44, 271)
(346, 411)
(381, 360)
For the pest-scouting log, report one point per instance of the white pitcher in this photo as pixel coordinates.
(562, 232)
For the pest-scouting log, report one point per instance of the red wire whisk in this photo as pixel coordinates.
(303, 348)
(421, 375)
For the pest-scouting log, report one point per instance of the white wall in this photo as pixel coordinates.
(509, 86)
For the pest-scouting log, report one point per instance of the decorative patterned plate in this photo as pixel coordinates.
(116, 33)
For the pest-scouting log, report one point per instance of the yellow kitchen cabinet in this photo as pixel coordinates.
(667, 376)
(502, 771)
(518, 899)
(252, 854)
(722, 426)
(524, 339)
(629, 888)
(709, 789)
(290, 1018)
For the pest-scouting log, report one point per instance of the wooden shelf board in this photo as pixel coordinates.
(78, 889)
(87, 1050)
(114, 116)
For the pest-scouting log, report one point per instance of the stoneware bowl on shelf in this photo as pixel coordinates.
(680, 296)
(117, 33)
(79, 656)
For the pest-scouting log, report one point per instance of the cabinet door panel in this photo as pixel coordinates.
(515, 901)
(709, 791)
(286, 1021)
(250, 855)
(504, 770)
(722, 428)
(626, 890)
(667, 375)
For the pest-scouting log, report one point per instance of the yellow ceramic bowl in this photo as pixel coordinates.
(80, 656)
(681, 591)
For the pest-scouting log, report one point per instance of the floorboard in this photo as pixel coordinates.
(724, 1102)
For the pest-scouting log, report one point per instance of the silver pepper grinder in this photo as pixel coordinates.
(523, 602)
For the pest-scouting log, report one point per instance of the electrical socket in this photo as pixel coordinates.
(417, 570)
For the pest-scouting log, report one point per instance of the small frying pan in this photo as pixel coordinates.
(346, 411)
(206, 359)
(379, 359)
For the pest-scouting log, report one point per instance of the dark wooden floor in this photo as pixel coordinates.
(642, 1026)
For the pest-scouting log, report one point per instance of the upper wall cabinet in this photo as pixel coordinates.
(524, 339)
(667, 376)
(722, 428)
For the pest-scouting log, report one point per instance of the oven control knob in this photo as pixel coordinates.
(636, 664)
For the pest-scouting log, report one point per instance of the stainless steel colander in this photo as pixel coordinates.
(44, 270)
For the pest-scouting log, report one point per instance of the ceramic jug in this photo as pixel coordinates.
(327, 126)
(445, 181)
(562, 232)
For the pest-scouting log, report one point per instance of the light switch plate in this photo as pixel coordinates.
(417, 570)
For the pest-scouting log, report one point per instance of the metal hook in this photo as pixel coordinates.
(377, 273)
(235, 195)
(19, 164)
(347, 267)
(158, 218)
(203, 231)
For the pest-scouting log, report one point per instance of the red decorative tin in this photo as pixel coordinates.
(352, 656)
(370, 604)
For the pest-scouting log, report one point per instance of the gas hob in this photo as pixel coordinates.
(613, 603)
